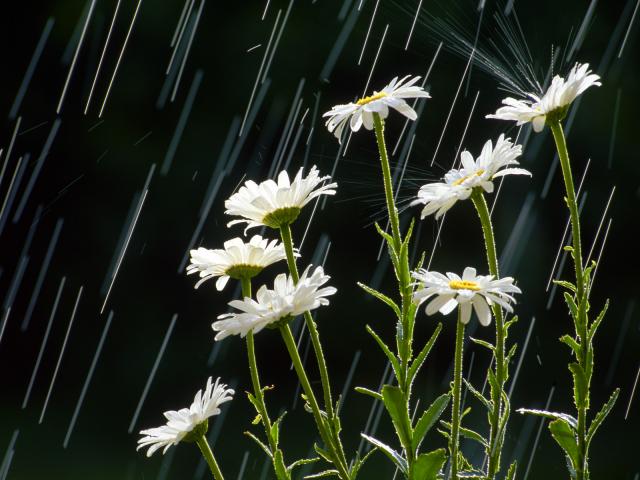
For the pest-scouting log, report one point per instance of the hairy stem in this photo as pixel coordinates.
(204, 447)
(586, 350)
(287, 240)
(327, 437)
(455, 401)
(495, 435)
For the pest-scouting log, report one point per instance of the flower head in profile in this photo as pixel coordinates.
(236, 260)
(446, 292)
(285, 300)
(187, 424)
(361, 112)
(560, 94)
(493, 162)
(275, 204)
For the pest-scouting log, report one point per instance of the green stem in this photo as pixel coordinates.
(582, 470)
(378, 126)
(402, 270)
(287, 240)
(456, 394)
(208, 456)
(495, 435)
(255, 377)
(339, 461)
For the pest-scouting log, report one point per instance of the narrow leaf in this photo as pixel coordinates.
(371, 393)
(419, 360)
(601, 415)
(394, 456)
(392, 358)
(596, 323)
(428, 419)
(553, 415)
(382, 297)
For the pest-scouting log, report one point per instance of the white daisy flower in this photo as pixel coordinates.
(285, 300)
(276, 204)
(559, 95)
(188, 423)
(439, 197)
(236, 260)
(361, 112)
(459, 182)
(448, 292)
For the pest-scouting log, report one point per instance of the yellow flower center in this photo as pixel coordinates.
(463, 179)
(464, 285)
(365, 100)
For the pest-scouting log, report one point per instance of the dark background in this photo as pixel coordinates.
(96, 169)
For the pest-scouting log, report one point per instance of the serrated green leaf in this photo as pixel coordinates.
(469, 434)
(580, 386)
(601, 415)
(573, 308)
(483, 343)
(371, 393)
(419, 360)
(571, 421)
(511, 473)
(484, 400)
(264, 447)
(596, 323)
(571, 342)
(301, 462)
(395, 403)
(427, 466)
(394, 456)
(280, 468)
(382, 297)
(428, 419)
(326, 473)
(564, 435)
(565, 284)
(322, 452)
(386, 350)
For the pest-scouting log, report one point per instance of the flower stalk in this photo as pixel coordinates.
(258, 393)
(204, 447)
(329, 430)
(455, 397)
(496, 420)
(585, 346)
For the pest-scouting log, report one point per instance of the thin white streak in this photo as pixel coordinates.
(182, 30)
(566, 229)
(115, 70)
(413, 25)
(75, 56)
(375, 60)
(633, 392)
(44, 343)
(604, 215)
(124, 248)
(626, 35)
(255, 85)
(104, 51)
(455, 98)
(180, 22)
(366, 38)
(152, 375)
(188, 49)
(64, 346)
